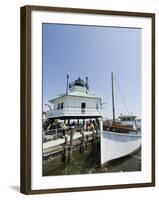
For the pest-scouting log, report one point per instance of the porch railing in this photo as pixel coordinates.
(74, 112)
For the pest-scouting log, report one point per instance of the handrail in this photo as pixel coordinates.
(75, 111)
(55, 129)
(76, 108)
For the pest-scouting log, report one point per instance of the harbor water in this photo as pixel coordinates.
(89, 162)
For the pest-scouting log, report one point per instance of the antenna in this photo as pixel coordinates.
(87, 87)
(67, 85)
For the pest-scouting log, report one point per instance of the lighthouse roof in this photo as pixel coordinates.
(75, 94)
(78, 82)
(77, 88)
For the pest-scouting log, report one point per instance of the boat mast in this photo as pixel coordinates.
(113, 106)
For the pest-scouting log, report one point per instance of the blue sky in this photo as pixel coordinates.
(95, 52)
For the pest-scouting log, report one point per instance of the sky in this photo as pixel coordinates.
(95, 52)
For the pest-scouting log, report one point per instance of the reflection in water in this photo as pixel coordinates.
(88, 162)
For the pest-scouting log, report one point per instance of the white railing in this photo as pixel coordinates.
(74, 112)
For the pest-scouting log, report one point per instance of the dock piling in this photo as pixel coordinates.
(98, 138)
(82, 142)
(86, 143)
(70, 146)
(93, 139)
(65, 151)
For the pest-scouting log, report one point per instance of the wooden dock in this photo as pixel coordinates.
(65, 146)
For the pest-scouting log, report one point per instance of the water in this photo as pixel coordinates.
(89, 162)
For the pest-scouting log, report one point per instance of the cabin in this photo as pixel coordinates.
(128, 120)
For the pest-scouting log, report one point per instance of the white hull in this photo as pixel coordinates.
(117, 145)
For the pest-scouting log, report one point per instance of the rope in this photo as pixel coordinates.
(122, 96)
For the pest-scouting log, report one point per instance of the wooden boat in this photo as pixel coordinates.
(119, 139)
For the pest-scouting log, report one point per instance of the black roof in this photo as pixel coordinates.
(78, 82)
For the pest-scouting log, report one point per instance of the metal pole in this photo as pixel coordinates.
(86, 85)
(113, 105)
(102, 153)
(67, 84)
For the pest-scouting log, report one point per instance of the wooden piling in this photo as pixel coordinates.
(83, 122)
(68, 122)
(70, 146)
(56, 134)
(93, 139)
(98, 139)
(82, 143)
(86, 142)
(65, 151)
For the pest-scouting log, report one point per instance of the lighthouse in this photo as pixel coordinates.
(77, 102)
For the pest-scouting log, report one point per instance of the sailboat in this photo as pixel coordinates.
(119, 138)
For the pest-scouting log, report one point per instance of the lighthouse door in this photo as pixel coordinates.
(83, 107)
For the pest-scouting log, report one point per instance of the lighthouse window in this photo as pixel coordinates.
(62, 105)
(58, 106)
(83, 107)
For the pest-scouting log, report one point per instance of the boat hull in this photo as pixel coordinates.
(116, 145)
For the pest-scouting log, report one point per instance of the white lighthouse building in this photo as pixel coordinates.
(78, 102)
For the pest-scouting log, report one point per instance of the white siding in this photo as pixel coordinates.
(75, 102)
(90, 102)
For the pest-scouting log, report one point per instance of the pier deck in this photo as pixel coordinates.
(54, 146)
